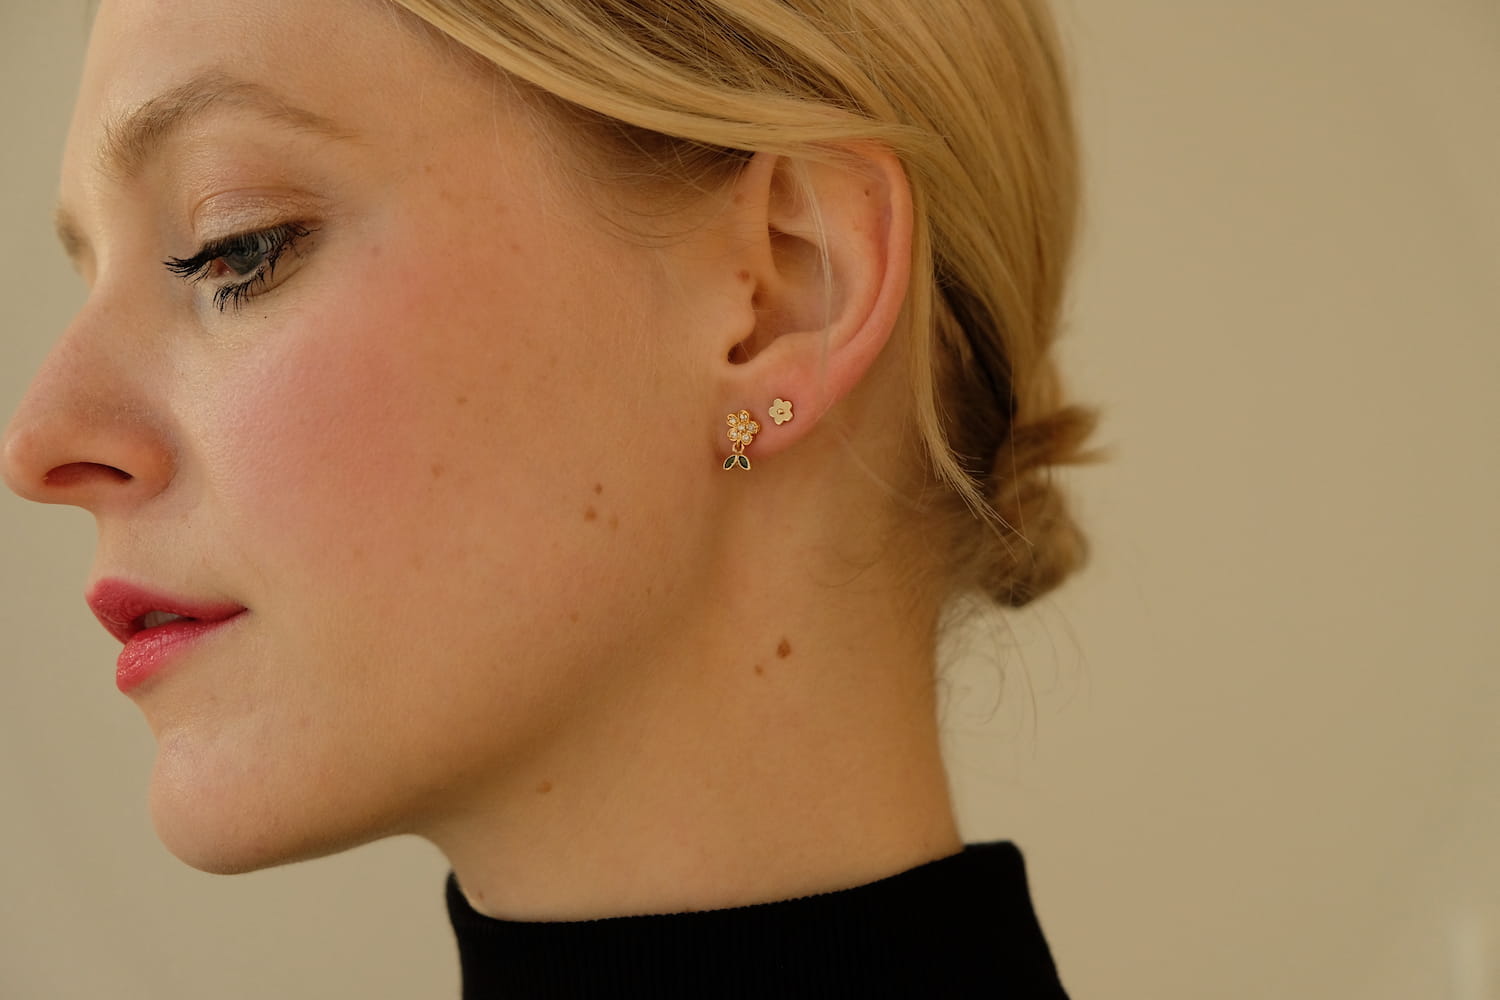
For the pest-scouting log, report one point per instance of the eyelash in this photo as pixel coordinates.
(267, 244)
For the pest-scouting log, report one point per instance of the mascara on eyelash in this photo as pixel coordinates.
(267, 241)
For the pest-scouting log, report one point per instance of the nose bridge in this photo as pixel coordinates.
(87, 431)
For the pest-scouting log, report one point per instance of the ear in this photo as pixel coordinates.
(829, 254)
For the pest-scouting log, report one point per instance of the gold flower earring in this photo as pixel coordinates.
(742, 431)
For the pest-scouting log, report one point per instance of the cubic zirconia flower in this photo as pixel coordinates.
(742, 429)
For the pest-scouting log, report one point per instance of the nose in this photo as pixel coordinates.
(84, 434)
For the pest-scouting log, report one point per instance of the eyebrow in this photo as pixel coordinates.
(133, 138)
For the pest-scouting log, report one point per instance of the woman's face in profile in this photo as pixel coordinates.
(358, 357)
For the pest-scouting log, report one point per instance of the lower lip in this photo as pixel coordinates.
(151, 651)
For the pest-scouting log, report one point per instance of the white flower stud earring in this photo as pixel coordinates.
(781, 411)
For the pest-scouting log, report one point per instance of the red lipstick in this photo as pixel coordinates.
(154, 627)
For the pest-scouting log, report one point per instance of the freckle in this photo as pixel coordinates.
(760, 670)
(614, 522)
(438, 470)
(784, 649)
(598, 488)
(590, 514)
(461, 400)
(544, 788)
(572, 616)
(744, 275)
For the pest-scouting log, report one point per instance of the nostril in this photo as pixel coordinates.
(75, 473)
(86, 458)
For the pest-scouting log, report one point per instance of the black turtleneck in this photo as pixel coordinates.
(962, 926)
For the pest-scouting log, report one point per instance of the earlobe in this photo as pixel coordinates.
(831, 264)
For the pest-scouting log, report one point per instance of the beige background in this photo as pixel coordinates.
(1254, 752)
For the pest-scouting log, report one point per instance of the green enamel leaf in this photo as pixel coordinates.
(744, 462)
(729, 462)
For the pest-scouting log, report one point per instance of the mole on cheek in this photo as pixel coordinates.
(438, 470)
(591, 514)
(461, 400)
(784, 649)
(759, 670)
(598, 489)
(614, 521)
(544, 788)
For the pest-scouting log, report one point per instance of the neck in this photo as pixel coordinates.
(767, 756)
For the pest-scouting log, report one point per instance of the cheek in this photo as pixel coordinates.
(427, 433)
(421, 537)
(312, 446)
(458, 501)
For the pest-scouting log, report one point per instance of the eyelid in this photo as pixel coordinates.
(195, 267)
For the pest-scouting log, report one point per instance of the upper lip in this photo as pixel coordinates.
(122, 607)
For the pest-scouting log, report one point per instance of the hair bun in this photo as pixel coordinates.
(1031, 507)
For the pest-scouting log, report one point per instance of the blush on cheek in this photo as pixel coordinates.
(331, 426)
(306, 425)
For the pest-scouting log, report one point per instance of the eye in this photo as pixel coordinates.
(249, 257)
(243, 262)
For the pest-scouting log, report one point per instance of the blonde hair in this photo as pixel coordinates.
(973, 99)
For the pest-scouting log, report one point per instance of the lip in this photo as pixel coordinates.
(122, 608)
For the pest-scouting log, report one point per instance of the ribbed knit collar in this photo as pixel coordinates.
(961, 926)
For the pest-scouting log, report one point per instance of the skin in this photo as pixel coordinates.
(460, 459)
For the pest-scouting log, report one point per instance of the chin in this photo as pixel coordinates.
(223, 828)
